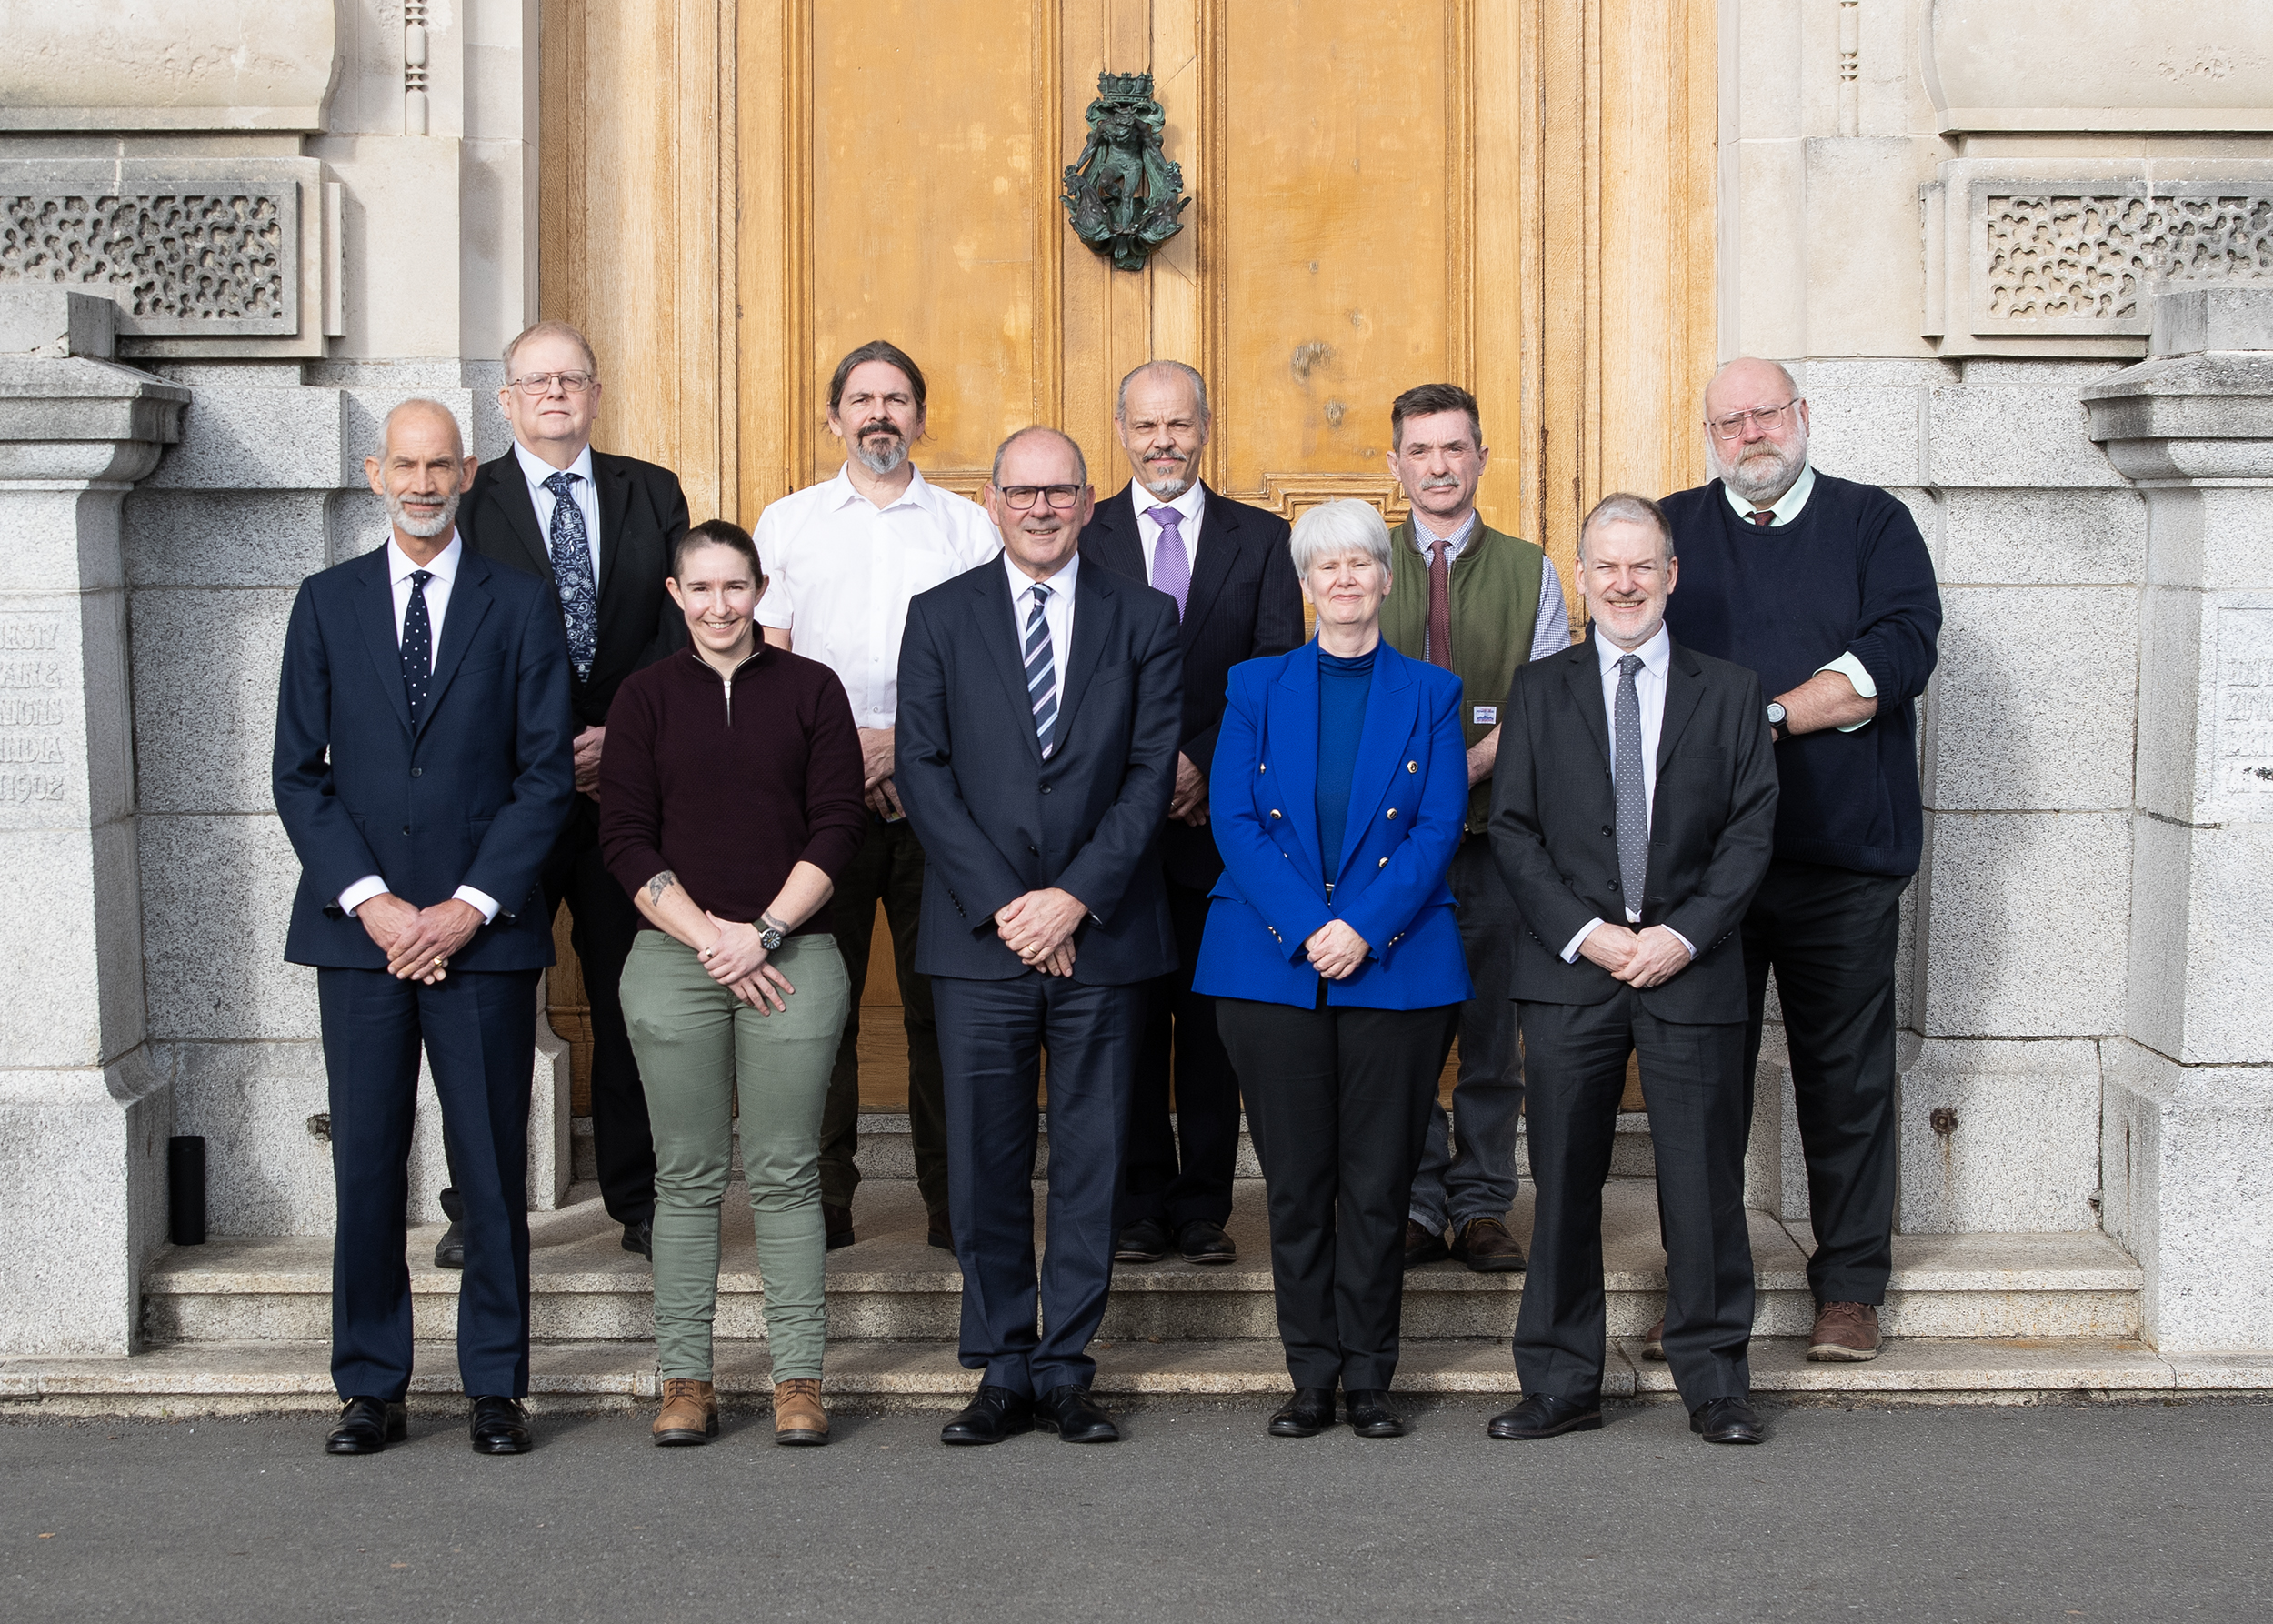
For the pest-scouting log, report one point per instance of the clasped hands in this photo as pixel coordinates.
(418, 941)
(1639, 958)
(1039, 929)
(1335, 950)
(738, 962)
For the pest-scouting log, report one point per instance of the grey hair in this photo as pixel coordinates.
(1333, 527)
(1624, 507)
(1081, 462)
(419, 403)
(1188, 374)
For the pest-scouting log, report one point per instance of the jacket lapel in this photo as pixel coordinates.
(1582, 669)
(375, 612)
(469, 606)
(1684, 684)
(1211, 566)
(1291, 746)
(1390, 702)
(615, 493)
(509, 491)
(1096, 613)
(994, 606)
(1111, 537)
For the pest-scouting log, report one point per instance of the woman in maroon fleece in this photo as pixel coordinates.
(730, 799)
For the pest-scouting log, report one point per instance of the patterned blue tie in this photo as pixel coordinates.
(572, 574)
(417, 645)
(1041, 674)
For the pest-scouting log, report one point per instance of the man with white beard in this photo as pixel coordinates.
(1824, 588)
(842, 559)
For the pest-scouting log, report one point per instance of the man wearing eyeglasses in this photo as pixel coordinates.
(1824, 588)
(600, 529)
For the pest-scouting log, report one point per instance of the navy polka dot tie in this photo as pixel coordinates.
(417, 645)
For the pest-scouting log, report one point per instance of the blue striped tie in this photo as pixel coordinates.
(1041, 674)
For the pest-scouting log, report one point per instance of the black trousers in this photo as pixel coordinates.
(991, 1038)
(479, 1033)
(1830, 934)
(1179, 1023)
(1338, 1102)
(889, 869)
(1693, 1082)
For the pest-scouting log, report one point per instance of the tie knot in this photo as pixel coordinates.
(559, 482)
(1041, 595)
(1630, 663)
(1436, 551)
(419, 577)
(1168, 519)
(1762, 517)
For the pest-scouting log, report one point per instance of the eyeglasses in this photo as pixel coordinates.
(1769, 418)
(1021, 496)
(539, 384)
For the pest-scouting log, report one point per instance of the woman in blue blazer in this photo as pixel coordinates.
(1339, 785)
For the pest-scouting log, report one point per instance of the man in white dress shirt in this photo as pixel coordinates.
(842, 558)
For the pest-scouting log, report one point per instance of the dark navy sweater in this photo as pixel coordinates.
(1851, 572)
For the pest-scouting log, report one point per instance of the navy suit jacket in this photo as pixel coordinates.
(1408, 796)
(997, 820)
(473, 796)
(1246, 603)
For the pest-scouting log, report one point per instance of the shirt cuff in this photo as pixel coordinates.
(1849, 667)
(1571, 950)
(1685, 941)
(361, 892)
(466, 894)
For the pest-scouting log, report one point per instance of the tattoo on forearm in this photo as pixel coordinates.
(660, 884)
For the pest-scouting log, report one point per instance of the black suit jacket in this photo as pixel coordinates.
(1712, 826)
(1246, 603)
(643, 512)
(997, 820)
(473, 795)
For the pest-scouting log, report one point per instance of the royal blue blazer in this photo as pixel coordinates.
(1408, 796)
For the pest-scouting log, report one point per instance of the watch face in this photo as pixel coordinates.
(1775, 716)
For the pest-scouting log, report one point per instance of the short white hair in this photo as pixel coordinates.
(1335, 528)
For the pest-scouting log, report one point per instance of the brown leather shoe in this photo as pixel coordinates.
(690, 1412)
(1423, 1246)
(798, 1417)
(1845, 1333)
(1486, 1247)
(1654, 1344)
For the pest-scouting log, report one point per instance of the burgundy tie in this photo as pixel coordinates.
(1762, 518)
(1440, 604)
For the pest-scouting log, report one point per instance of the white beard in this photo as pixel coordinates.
(424, 529)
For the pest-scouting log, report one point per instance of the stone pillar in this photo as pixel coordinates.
(2187, 1140)
(83, 1116)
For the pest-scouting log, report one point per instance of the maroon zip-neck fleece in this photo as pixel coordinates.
(729, 782)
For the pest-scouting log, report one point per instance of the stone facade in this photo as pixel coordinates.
(1963, 222)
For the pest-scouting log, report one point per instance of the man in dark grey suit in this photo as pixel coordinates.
(1632, 818)
(1039, 704)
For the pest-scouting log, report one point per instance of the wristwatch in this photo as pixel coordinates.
(770, 933)
(1776, 722)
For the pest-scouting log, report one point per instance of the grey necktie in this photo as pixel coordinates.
(1626, 770)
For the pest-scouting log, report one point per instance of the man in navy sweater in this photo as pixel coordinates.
(1824, 588)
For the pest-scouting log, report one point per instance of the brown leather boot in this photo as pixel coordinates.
(798, 1417)
(690, 1412)
(1845, 1333)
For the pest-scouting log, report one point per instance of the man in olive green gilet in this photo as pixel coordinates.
(1465, 596)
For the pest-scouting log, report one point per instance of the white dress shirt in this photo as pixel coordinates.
(400, 568)
(537, 470)
(1550, 628)
(1650, 687)
(1786, 508)
(1057, 612)
(839, 571)
(1191, 508)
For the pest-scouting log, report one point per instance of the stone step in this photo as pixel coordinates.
(886, 1149)
(890, 1285)
(253, 1377)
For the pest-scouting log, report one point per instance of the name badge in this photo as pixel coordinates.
(1486, 715)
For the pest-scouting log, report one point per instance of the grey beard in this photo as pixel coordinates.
(424, 529)
(881, 462)
(1168, 490)
(1762, 489)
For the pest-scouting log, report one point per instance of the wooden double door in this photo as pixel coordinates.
(1513, 195)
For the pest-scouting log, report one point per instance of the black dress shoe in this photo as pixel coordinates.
(995, 1414)
(939, 1233)
(1069, 1412)
(1423, 1246)
(640, 1238)
(1544, 1416)
(1203, 1242)
(1144, 1241)
(449, 1252)
(366, 1426)
(499, 1427)
(1727, 1421)
(1371, 1415)
(836, 1226)
(1306, 1415)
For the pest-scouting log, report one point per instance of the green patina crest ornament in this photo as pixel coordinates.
(1124, 196)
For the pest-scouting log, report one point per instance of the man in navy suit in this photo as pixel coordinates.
(1227, 566)
(424, 765)
(1040, 704)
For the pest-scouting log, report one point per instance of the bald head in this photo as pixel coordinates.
(1012, 449)
(430, 414)
(1040, 499)
(420, 469)
(1747, 376)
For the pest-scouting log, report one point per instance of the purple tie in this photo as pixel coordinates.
(1171, 567)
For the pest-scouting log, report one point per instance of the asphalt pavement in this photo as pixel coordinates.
(2133, 1512)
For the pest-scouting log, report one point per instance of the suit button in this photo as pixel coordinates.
(1383, 863)
(407, 829)
(1609, 831)
(1264, 767)
(416, 771)
(1393, 811)
(1412, 767)
(1036, 850)
(1046, 790)
(1274, 811)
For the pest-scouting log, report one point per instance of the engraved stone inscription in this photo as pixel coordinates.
(2245, 714)
(32, 716)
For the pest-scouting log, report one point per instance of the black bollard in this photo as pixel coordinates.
(185, 1169)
